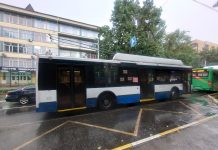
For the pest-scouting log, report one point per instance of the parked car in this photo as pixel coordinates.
(22, 95)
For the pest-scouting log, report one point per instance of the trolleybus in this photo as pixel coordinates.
(205, 79)
(65, 84)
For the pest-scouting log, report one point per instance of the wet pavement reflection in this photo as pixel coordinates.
(98, 129)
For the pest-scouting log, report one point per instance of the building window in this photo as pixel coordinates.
(14, 47)
(54, 51)
(39, 37)
(10, 32)
(26, 35)
(89, 33)
(52, 26)
(64, 53)
(69, 29)
(25, 21)
(10, 18)
(10, 47)
(76, 31)
(22, 49)
(38, 23)
(39, 50)
(1, 46)
(7, 47)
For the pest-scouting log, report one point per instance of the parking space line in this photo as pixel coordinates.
(43, 134)
(104, 128)
(194, 110)
(138, 122)
(84, 124)
(151, 109)
(123, 147)
(17, 107)
(136, 143)
(62, 118)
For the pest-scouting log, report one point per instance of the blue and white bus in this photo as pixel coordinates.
(65, 84)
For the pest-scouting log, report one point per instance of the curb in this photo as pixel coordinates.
(136, 143)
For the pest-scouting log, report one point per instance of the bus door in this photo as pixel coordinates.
(70, 87)
(146, 84)
(186, 80)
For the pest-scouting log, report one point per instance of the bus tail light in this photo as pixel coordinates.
(209, 83)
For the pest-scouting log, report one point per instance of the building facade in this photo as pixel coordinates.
(25, 33)
(199, 45)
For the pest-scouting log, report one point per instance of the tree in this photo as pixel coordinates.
(130, 19)
(209, 56)
(106, 45)
(178, 45)
(151, 30)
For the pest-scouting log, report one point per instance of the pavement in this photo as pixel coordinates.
(188, 123)
(203, 136)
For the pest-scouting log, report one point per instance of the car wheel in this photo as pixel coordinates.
(174, 94)
(24, 100)
(106, 101)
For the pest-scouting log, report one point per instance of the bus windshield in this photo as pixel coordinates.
(200, 73)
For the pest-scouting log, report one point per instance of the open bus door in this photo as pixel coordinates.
(146, 84)
(187, 81)
(71, 91)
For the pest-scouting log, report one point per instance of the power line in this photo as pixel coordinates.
(205, 5)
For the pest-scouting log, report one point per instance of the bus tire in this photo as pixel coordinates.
(174, 93)
(106, 101)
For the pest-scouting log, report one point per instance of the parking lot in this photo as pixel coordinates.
(121, 128)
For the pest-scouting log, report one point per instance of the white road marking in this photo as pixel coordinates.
(136, 143)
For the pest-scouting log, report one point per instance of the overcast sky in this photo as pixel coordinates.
(199, 21)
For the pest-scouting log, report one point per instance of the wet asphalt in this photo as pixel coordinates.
(23, 128)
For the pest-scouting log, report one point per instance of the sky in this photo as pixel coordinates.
(199, 21)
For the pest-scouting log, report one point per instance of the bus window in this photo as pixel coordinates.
(175, 77)
(200, 73)
(162, 76)
(111, 73)
(47, 75)
(128, 76)
(99, 71)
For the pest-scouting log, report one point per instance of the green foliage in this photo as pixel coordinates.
(106, 42)
(130, 19)
(178, 45)
(210, 56)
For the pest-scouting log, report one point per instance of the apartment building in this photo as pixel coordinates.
(199, 45)
(25, 33)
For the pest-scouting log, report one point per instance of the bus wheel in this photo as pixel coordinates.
(106, 101)
(174, 94)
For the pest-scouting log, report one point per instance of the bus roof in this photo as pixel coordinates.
(130, 58)
(211, 67)
(147, 59)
